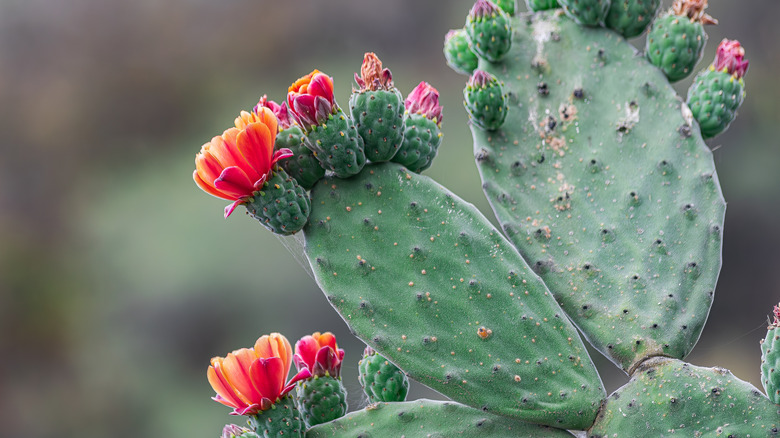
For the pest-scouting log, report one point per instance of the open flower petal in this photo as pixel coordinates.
(234, 182)
(256, 144)
(268, 376)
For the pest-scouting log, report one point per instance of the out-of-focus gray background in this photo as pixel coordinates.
(119, 279)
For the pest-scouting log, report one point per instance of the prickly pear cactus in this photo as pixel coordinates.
(489, 31)
(426, 280)
(381, 380)
(631, 17)
(667, 397)
(457, 52)
(283, 419)
(770, 359)
(541, 5)
(321, 399)
(604, 185)
(586, 12)
(426, 419)
(303, 165)
(281, 205)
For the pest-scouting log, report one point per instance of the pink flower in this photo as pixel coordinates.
(731, 58)
(251, 380)
(319, 354)
(311, 99)
(424, 99)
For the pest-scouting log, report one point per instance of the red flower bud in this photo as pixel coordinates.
(282, 112)
(424, 99)
(319, 354)
(731, 58)
(310, 99)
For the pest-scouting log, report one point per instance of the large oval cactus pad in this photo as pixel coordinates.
(605, 187)
(428, 282)
(668, 397)
(426, 419)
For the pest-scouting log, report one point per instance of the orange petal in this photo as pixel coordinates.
(256, 145)
(268, 376)
(236, 370)
(209, 189)
(244, 119)
(207, 165)
(326, 339)
(275, 345)
(267, 116)
(221, 387)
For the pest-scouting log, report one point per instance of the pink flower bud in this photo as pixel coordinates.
(731, 58)
(483, 8)
(310, 99)
(424, 99)
(319, 354)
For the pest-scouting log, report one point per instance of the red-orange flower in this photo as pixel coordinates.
(319, 354)
(236, 164)
(250, 380)
(311, 99)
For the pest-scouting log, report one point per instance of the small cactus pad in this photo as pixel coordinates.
(489, 30)
(457, 52)
(606, 188)
(541, 5)
(669, 398)
(485, 100)
(282, 420)
(631, 17)
(675, 44)
(379, 118)
(507, 6)
(586, 12)
(421, 143)
(429, 419)
(714, 99)
(337, 145)
(321, 399)
(381, 380)
(423, 278)
(303, 165)
(770, 360)
(281, 205)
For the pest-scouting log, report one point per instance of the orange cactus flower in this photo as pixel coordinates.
(310, 99)
(251, 380)
(236, 164)
(320, 354)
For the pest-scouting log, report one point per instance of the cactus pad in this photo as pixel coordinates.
(429, 419)
(303, 165)
(379, 118)
(381, 380)
(421, 143)
(667, 397)
(675, 44)
(429, 283)
(631, 17)
(282, 420)
(606, 189)
(321, 399)
(282, 205)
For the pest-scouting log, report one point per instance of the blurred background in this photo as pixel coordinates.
(119, 279)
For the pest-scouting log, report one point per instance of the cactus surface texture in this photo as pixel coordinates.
(321, 399)
(586, 12)
(605, 188)
(381, 380)
(282, 420)
(423, 278)
(303, 165)
(427, 419)
(675, 44)
(337, 145)
(541, 5)
(457, 52)
(282, 205)
(489, 31)
(667, 397)
(421, 142)
(631, 17)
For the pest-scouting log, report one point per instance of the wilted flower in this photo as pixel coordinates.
(251, 380)
(311, 100)
(424, 99)
(319, 354)
(731, 58)
(372, 76)
(236, 164)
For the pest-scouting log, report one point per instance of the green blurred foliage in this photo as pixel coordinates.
(119, 279)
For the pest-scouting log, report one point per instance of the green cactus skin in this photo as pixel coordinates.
(282, 205)
(507, 6)
(675, 44)
(670, 398)
(321, 399)
(606, 189)
(423, 278)
(421, 143)
(458, 54)
(714, 99)
(429, 419)
(303, 165)
(770, 363)
(542, 5)
(282, 420)
(490, 36)
(379, 118)
(381, 380)
(586, 12)
(337, 145)
(486, 106)
(631, 17)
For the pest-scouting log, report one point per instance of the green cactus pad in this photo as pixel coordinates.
(486, 106)
(542, 5)
(507, 6)
(282, 420)
(586, 12)
(605, 189)
(770, 364)
(337, 145)
(675, 45)
(490, 36)
(631, 17)
(303, 165)
(458, 54)
(714, 99)
(421, 143)
(429, 419)
(381, 380)
(667, 397)
(282, 205)
(429, 283)
(321, 399)
(379, 118)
